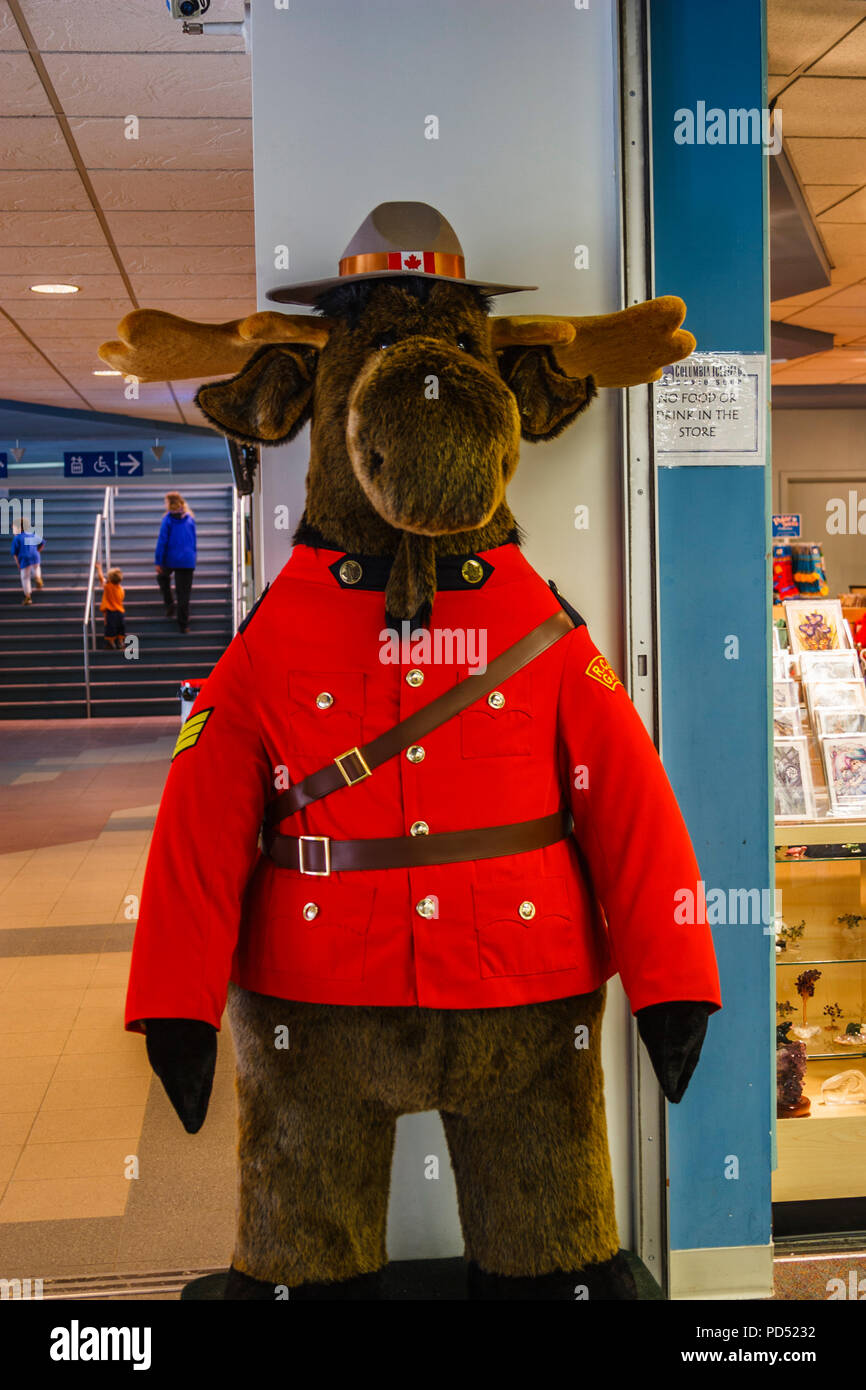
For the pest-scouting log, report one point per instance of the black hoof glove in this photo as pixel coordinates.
(182, 1052)
(673, 1035)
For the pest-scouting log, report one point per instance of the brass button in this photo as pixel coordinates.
(496, 699)
(350, 572)
(416, 753)
(472, 571)
(426, 907)
(310, 910)
(414, 677)
(527, 911)
(420, 828)
(325, 700)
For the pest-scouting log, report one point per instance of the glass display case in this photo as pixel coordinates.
(821, 1010)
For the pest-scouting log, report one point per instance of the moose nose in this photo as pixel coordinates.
(433, 436)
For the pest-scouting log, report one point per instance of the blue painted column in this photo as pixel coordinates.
(710, 225)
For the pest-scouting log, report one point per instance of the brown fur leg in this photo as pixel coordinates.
(314, 1148)
(532, 1164)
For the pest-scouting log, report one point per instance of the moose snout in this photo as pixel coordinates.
(433, 435)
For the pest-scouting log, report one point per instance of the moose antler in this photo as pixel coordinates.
(622, 349)
(156, 346)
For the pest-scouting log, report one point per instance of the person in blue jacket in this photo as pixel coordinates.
(176, 554)
(26, 552)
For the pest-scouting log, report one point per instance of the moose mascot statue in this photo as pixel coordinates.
(428, 822)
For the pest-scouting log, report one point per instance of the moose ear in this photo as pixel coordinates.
(268, 401)
(547, 399)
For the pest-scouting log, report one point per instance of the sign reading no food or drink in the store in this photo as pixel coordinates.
(712, 408)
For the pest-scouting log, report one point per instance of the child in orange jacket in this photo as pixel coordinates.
(112, 606)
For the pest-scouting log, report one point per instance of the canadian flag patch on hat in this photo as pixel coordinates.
(413, 260)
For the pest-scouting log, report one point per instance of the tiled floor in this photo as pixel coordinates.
(96, 1173)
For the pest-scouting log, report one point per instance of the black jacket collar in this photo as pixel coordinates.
(358, 571)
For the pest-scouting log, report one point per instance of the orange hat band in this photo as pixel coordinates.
(421, 262)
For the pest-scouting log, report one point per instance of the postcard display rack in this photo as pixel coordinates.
(819, 756)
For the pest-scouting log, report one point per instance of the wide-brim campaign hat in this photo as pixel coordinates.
(397, 239)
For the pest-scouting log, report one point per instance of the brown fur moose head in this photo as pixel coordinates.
(417, 396)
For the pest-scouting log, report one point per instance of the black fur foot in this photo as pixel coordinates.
(362, 1286)
(611, 1280)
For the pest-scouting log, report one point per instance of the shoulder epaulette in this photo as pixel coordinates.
(255, 608)
(564, 603)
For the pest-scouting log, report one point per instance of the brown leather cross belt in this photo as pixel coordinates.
(356, 764)
(320, 856)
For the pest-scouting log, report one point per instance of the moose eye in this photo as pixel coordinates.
(386, 340)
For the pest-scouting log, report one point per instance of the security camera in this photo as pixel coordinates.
(187, 9)
(191, 11)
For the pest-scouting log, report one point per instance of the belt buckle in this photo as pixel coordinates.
(347, 777)
(315, 873)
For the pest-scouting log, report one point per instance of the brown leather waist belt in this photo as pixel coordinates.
(355, 764)
(319, 856)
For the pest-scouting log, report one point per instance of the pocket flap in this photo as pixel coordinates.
(541, 899)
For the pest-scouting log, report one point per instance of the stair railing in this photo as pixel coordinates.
(100, 553)
(240, 543)
(235, 559)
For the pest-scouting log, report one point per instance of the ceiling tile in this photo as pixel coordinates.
(829, 106)
(828, 160)
(853, 209)
(10, 35)
(213, 289)
(124, 28)
(210, 310)
(68, 311)
(807, 374)
(203, 143)
(59, 229)
(830, 320)
(32, 142)
(823, 196)
(42, 190)
(144, 261)
(84, 338)
(783, 308)
(799, 30)
(845, 59)
(179, 229)
(58, 395)
(152, 84)
(852, 297)
(844, 240)
(39, 264)
(157, 190)
(23, 93)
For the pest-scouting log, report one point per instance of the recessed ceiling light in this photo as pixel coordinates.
(104, 372)
(55, 289)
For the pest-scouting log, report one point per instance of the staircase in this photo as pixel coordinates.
(41, 657)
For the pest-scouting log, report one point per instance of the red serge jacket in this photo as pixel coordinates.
(313, 674)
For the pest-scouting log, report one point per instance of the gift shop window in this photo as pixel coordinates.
(819, 760)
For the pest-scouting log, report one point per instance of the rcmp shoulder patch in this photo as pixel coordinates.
(600, 670)
(191, 731)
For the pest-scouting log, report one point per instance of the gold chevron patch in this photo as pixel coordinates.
(191, 731)
(600, 670)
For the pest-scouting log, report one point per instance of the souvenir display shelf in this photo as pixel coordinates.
(821, 871)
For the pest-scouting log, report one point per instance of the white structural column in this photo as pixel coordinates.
(503, 114)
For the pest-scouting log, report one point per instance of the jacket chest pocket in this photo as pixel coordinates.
(318, 928)
(325, 712)
(500, 723)
(525, 928)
